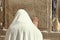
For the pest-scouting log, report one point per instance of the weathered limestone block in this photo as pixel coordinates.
(40, 8)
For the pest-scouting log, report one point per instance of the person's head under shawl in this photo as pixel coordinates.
(22, 28)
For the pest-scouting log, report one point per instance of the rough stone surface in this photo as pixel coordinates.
(39, 8)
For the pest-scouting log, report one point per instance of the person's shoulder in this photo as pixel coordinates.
(13, 28)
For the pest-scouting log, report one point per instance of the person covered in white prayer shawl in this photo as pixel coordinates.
(22, 28)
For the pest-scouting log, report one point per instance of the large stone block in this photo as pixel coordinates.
(40, 8)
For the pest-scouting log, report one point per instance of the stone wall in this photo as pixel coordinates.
(58, 9)
(1, 14)
(40, 8)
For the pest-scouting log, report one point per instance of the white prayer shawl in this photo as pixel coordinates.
(22, 28)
